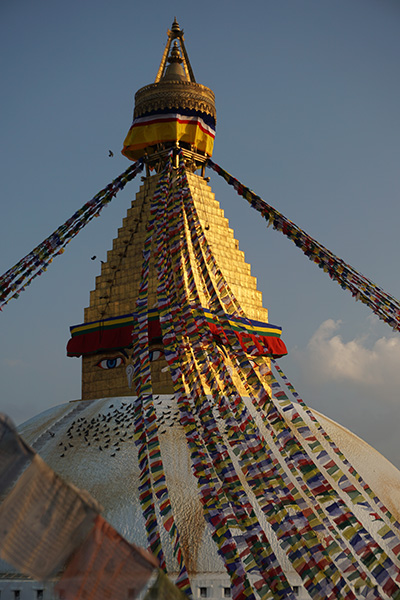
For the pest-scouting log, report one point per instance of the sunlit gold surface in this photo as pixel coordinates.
(174, 94)
(117, 287)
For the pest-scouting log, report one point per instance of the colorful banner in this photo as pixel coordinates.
(157, 127)
(255, 337)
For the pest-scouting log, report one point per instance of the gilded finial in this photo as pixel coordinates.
(173, 34)
(176, 31)
(175, 55)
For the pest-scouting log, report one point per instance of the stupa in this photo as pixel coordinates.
(183, 432)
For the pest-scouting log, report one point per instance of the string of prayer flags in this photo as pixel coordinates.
(385, 306)
(169, 225)
(19, 277)
(314, 587)
(153, 480)
(255, 550)
(267, 474)
(342, 472)
(331, 570)
(206, 272)
(106, 566)
(364, 548)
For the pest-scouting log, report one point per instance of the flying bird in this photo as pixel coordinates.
(110, 153)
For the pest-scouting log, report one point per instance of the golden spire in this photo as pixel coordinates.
(173, 34)
(173, 111)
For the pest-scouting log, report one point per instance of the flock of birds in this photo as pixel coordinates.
(109, 431)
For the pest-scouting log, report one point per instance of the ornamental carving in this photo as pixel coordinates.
(174, 94)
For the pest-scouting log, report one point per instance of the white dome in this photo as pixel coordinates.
(90, 443)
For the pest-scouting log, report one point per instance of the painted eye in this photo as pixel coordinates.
(110, 363)
(154, 354)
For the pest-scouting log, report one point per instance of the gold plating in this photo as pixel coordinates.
(174, 94)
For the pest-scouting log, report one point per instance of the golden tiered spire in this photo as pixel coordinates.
(117, 288)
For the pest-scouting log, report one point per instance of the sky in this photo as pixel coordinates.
(307, 95)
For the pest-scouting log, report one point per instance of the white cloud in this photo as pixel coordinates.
(373, 364)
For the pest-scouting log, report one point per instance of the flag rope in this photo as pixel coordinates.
(20, 276)
(383, 304)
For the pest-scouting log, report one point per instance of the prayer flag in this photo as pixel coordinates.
(106, 566)
(43, 520)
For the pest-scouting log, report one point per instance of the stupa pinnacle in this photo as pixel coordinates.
(174, 111)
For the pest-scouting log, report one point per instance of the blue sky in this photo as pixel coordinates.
(308, 97)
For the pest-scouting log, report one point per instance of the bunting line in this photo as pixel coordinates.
(168, 305)
(245, 369)
(20, 276)
(256, 551)
(249, 458)
(385, 306)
